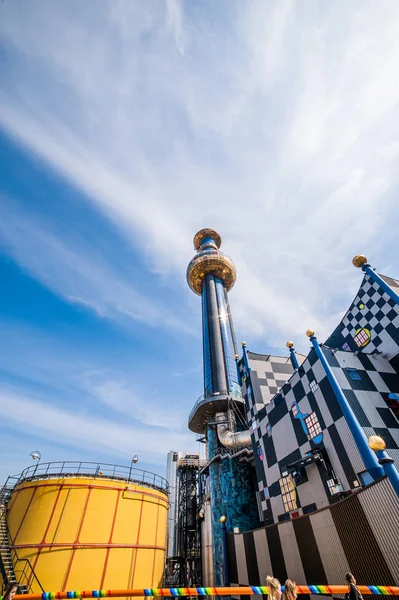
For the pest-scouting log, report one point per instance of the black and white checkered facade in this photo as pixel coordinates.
(291, 414)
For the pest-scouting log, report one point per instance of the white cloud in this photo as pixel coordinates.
(84, 430)
(75, 269)
(276, 125)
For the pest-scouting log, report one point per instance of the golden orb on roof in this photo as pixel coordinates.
(209, 260)
(236, 356)
(310, 333)
(376, 443)
(243, 344)
(207, 233)
(289, 344)
(359, 260)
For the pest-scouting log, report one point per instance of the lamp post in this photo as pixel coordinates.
(133, 462)
(224, 543)
(377, 444)
(35, 455)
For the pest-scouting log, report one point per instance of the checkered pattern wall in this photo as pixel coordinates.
(371, 323)
(292, 414)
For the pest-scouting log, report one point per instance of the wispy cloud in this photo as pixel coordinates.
(82, 399)
(87, 430)
(75, 269)
(274, 124)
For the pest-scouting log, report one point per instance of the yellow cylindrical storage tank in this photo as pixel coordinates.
(89, 531)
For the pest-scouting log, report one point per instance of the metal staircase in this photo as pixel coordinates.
(8, 556)
(6, 564)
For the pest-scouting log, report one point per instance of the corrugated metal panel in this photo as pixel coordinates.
(359, 543)
(242, 571)
(262, 555)
(292, 557)
(381, 506)
(330, 547)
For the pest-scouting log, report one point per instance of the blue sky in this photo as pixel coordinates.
(126, 126)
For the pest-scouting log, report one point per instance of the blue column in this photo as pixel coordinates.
(368, 456)
(244, 349)
(236, 358)
(293, 357)
(360, 262)
(225, 562)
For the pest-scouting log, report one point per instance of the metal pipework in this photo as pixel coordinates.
(230, 439)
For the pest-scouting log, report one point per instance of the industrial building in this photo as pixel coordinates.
(289, 463)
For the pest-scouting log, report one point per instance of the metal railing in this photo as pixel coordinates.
(93, 469)
(24, 573)
(214, 396)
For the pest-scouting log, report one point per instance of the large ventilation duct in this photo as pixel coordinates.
(227, 437)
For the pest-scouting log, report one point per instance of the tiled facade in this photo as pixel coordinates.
(295, 417)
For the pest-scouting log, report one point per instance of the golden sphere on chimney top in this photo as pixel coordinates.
(359, 260)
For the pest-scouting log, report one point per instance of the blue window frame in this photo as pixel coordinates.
(354, 374)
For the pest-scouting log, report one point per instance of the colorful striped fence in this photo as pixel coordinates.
(209, 591)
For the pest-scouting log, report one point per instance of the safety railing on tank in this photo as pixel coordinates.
(92, 469)
(235, 395)
(24, 573)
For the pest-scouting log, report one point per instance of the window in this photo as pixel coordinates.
(284, 517)
(354, 374)
(295, 409)
(288, 493)
(313, 385)
(334, 486)
(393, 403)
(313, 425)
(309, 508)
(362, 338)
(365, 478)
(269, 429)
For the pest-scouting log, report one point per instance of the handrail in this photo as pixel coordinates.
(252, 590)
(93, 469)
(214, 396)
(32, 571)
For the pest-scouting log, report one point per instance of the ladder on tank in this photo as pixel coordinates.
(6, 563)
(8, 555)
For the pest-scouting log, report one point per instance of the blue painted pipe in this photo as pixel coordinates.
(368, 456)
(387, 288)
(247, 367)
(294, 359)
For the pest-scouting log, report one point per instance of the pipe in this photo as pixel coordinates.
(219, 380)
(229, 438)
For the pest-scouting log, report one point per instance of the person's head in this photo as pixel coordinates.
(274, 588)
(350, 578)
(290, 590)
(11, 591)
